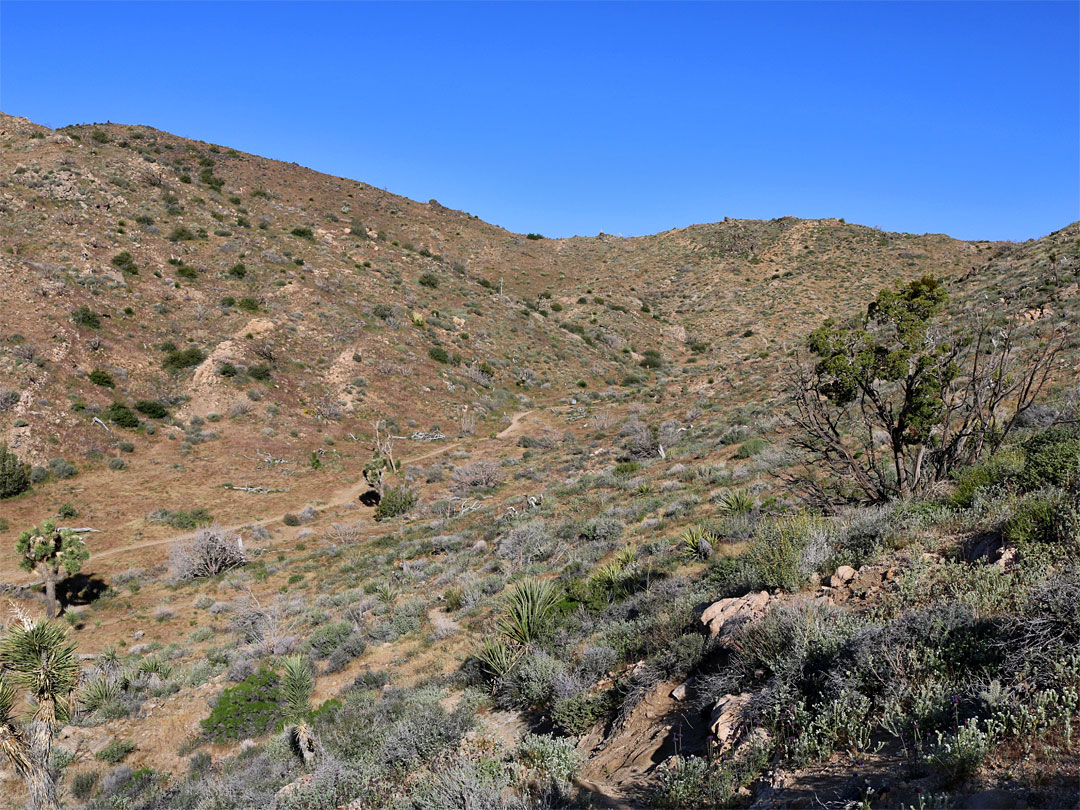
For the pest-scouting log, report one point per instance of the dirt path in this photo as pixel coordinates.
(340, 498)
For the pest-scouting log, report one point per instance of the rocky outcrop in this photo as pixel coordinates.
(727, 616)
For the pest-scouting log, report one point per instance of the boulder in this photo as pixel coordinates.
(844, 574)
(725, 617)
(726, 723)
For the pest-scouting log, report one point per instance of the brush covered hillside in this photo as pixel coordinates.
(350, 501)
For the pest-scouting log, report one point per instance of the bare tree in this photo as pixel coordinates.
(205, 553)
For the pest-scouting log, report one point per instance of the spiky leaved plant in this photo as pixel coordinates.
(47, 549)
(297, 684)
(529, 609)
(38, 661)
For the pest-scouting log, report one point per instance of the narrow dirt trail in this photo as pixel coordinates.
(340, 498)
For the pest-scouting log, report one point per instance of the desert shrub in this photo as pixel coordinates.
(61, 468)
(1052, 458)
(429, 280)
(151, 408)
(179, 359)
(14, 474)
(579, 713)
(249, 709)
(116, 464)
(248, 304)
(751, 447)
(530, 683)
(83, 784)
(603, 530)
(84, 316)
(439, 354)
(115, 752)
(326, 638)
(181, 234)
(624, 469)
(125, 263)
(555, 758)
(395, 501)
(303, 233)
(291, 519)
(181, 518)
(120, 414)
(100, 377)
(785, 551)
(208, 552)
(38, 474)
(997, 469)
(260, 372)
(651, 358)
(1049, 516)
(477, 476)
(238, 270)
(352, 647)
(8, 398)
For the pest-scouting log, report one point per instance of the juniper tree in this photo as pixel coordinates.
(14, 478)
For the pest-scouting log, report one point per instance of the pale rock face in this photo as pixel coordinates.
(844, 574)
(725, 617)
(727, 718)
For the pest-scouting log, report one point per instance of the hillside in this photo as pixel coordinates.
(193, 335)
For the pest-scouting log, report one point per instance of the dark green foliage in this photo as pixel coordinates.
(290, 519)
(84, 316)
(151, 408)
(183, 358)
(100, 136)
(534, 236)
(429, 280)
(326, 638)
(115, 752)
(303, 233)
(190, 273)
(103, 378)
(624, 469)
(248, 304)
(181, 234)
(395, 501)
(249, 709)
(83, 784)
(1053, 459)
(439, 354)
(259, 371)
(751, 448)
(238, 270)
(577, 714)
(181, 518)
(1048, 517)
(125, 262)
(651, 359)
(993, 471)
(60, 468)
(122, 415)
(14, 474)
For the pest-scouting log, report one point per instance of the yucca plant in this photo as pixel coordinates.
(498, 657)
(386, 592)
(529, 610)
(297, 684)
(612, 578)
(38, 661)
(696, 543)
(735, 502)
(99, 692)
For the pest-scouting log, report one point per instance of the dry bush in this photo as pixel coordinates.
(206, 553)
(476, 476)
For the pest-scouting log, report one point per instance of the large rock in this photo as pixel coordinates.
(844, 574)
(725, 617)
(727, 723)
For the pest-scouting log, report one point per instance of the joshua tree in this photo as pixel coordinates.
(47, 549)
(36, 659)
(296, 688)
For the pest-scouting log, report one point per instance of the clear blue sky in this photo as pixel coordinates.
(961, 118)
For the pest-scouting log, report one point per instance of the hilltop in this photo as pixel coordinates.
(193, 335)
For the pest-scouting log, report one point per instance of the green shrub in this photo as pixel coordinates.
(786, 550)
(1048, 517)
(14, 474)
(83, 784)
(62, 469)
(751, 448)
(555, 758)
(624, 469)
(579, 713)
(326, 638)
(651, 358)
(249, 709)
(395, 501)
(429, 280)
(303, 233)
(1053, 459)
(181, 234)
(290, 519)
(439, 354)
(182, 518)
(115, 752)
(102, 378)
(190, 273)
(151, 408)
(84, 316)
(997, 469)
(183, 358)
(238, 270)
(259, 371)
(122, 415)
(248, 304)
(125, 263)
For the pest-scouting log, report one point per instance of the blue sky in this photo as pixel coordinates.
(572, 118)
